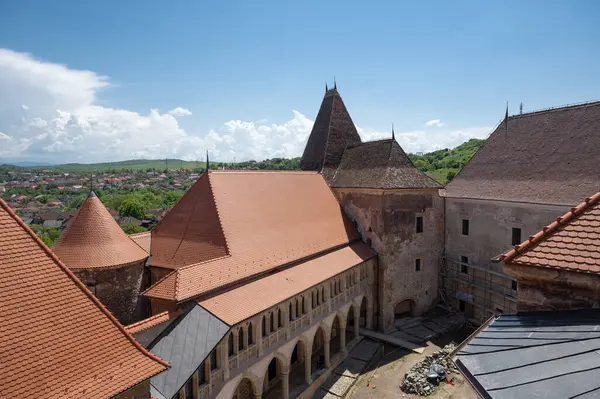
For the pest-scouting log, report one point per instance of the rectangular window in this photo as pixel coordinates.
(418, 265)
(513, 285)
(462, 305)
(516, 236)
(463, 267)
(213, 360)
(189, 389)
(419, 224)
(465, 227)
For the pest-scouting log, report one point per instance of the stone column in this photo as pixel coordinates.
(307, 365)
(195, 379)
(308, 302)
(285, 384)
(236, 341)
(286, 321)
(343, 337)
(326, 351)
(225, 362)
(259, 336)
(356, 321)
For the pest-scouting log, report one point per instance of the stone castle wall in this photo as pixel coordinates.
(386, 220)
(119, 290)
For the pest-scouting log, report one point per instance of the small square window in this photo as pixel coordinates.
(462, 305)
(418, 265)
(419, 224)
(516, 236)
(465, 227)
(463, 267)
(513, 285)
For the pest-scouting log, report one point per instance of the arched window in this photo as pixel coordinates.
(279, 318)
(272, 321)
(230, 344)
(303, 302)
(241, 339)
(250, 335)
(323, 299)
(314, 299)
(202, 374)
(339, 286)
(291, 312)
(264, 326)
(213, 360)
(298, 308)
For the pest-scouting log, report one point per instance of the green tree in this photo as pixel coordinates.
(132, 228)
(450, 175)
(133, 207)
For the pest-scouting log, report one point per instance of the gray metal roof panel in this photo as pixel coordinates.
(185, 344)
(535, 355)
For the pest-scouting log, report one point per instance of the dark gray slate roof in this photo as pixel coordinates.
(536, 355)
(379, 164)
(332, 132)
(550, 157)
(185, 344)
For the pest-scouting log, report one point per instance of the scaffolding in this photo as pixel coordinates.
(478, 291)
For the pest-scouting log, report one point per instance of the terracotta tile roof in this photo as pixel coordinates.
(537, 153)
(56, 339)
(571, 242)
(269, 219)
(332, 132)
(379, 164)
(142, 239)
(150, 322)
(94, 240)
(242, 302)
(191, 231)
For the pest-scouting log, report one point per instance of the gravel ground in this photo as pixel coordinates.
(384, 377)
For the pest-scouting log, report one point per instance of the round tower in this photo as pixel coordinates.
(105, 259)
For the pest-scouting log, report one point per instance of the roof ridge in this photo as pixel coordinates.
(328, 130)
(80, 285)
(369, 142)
(557, 108)
(550, 229)
(147, 323)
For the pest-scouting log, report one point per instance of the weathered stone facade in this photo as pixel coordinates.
(118, 289)
(479, 287)
(387, 221)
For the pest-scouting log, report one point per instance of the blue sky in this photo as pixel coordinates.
(243, 68)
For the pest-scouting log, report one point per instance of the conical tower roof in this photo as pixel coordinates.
(332, 132)
(95, 240)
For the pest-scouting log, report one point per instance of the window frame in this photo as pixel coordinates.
(518, 236)
(418, 264)
(466, 226)
(419, 224)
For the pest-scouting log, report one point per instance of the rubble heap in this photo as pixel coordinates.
(415, 381)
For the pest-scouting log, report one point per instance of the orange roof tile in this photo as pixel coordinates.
(150, 322)
(142, 239)
(94, 239)
(268, 219)
(571, 242)
(242, 302)
(56, 339)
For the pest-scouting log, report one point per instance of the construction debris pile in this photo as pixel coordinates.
(416, 381)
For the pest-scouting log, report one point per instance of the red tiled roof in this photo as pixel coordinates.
(56, 339)
(242, 302)
(268, 219)
(571, 242)
(94, 240)
(151, 322)
(142, 239)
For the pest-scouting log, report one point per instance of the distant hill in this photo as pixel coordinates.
(443, 165)
(160, 164)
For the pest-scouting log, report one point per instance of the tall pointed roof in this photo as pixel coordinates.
(332, 132)
(58, 340)
(379, 164)
(95, 240)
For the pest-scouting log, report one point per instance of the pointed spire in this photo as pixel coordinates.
(393, 134)
(207, 163)
(326, 88)
(506, 122)
(334, 84)
(92, 194)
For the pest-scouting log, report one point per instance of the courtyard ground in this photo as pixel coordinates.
(376, 369)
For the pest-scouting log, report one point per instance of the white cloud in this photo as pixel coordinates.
(434, 122)
(65, 123)
(180, 112)
(25, 107)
